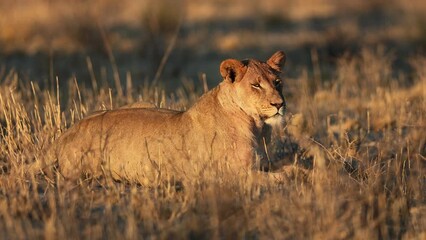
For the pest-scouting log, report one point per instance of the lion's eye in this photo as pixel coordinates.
(277, 82)
(256, 85)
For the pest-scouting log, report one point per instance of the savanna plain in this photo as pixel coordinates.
(354, 131)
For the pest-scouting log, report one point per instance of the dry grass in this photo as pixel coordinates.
(377, 137)
(358, 122)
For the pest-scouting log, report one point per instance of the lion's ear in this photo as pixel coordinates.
(232, 70)
(277, 60)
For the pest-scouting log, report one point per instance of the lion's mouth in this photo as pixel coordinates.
(281, 111)
(273, 113)
(276, 118)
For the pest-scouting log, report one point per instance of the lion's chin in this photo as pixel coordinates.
(275, 120)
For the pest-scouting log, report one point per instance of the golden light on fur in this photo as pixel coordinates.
(152, 145)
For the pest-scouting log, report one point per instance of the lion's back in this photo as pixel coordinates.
(124, 136)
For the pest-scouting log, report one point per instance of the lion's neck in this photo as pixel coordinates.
(218, 106)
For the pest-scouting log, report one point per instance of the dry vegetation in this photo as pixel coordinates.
(356, 88)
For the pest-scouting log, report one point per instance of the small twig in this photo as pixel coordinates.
(92, 75)
(323, 147)
(167, 53)
(204, 81)
(111, 57)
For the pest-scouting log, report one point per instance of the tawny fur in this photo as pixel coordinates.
(222, 130)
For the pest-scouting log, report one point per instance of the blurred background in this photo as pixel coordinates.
(173, 41)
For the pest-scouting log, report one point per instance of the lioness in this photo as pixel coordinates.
(222, 130)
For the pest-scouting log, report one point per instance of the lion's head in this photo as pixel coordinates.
(257, 85)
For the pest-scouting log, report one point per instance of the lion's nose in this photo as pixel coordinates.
(278, 105)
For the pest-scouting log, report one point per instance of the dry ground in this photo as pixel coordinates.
(355, 83)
